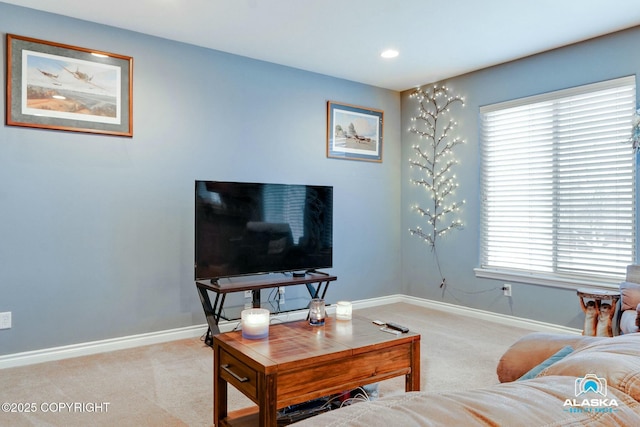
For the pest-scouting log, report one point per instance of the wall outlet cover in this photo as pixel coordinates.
(5, 320)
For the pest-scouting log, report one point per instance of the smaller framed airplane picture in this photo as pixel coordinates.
(353, 132)
(62, 87)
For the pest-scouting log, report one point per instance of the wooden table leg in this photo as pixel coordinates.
(219, 390)
(267, 402)
(412, 380)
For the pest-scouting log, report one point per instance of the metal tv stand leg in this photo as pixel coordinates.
(212, 313)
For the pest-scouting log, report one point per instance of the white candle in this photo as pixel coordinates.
(343, 310)
(255, 323)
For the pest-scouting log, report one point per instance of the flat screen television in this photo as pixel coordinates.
(253, 228)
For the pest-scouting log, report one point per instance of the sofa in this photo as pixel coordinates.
(627, 317)
(545, 380)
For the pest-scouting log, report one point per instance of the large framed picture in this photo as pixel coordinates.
(353, 132)
(56, 86)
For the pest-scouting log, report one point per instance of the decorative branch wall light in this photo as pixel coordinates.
(434, 160)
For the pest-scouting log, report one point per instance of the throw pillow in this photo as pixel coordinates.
(630, 295)
(562, 353)
(628, 322)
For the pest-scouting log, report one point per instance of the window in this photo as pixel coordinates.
(558, 184)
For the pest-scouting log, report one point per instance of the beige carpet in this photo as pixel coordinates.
(171, 384)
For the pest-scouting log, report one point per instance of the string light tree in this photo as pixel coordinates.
(433, 158)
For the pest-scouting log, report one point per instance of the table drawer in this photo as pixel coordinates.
(342, 374)
(239, 374)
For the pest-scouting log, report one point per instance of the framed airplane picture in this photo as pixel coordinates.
(62, 87)
(353, 132)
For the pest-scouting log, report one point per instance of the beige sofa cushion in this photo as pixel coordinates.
(616, 359)
(536, 402)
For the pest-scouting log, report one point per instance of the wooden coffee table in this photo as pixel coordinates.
(299, 362)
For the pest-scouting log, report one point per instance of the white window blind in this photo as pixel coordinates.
(285, 204)
(558, 182)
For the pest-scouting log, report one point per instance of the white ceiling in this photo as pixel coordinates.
(437, 39)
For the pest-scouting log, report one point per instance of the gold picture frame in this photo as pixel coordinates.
(62, 87)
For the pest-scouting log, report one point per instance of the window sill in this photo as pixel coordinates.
(549, 281)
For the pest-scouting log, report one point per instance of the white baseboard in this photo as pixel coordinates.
(103, 346)
(490, 316)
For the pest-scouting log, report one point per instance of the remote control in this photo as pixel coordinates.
(397, 327)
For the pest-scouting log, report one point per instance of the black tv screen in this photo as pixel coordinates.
(252, 228)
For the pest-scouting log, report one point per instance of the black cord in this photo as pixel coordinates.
(446, 287)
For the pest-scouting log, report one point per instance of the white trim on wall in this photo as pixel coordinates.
(103, 346)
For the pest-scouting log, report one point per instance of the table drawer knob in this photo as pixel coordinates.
(234, 375)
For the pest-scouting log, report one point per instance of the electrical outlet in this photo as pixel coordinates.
(281, 290)
(506, 289)
(281, 294)
(248, 299)
(5, 320)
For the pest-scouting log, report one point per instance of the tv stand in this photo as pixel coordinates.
(317, 283)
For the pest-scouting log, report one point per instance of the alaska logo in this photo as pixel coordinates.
(586, 387)
(590, 383)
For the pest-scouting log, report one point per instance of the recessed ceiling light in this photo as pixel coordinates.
(389, 53)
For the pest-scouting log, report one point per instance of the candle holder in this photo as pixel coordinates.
(316, 312)
(255, 323)
(343, 310)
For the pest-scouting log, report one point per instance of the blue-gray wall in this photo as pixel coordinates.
(96, 232)
(592, 61)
